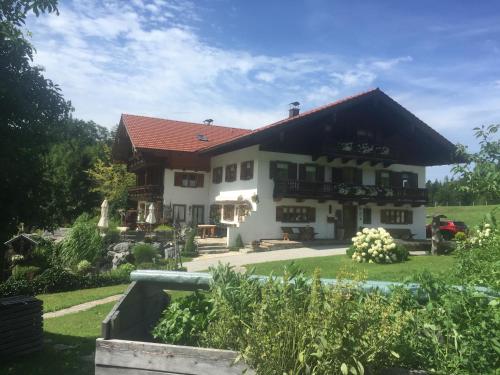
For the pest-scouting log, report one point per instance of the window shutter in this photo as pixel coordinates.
(413, 180)
(320, 173)
(302, 172)
(292, 171)
(395, 179)
(311, 214)
(199, 180)
(377, 178)
(337, 175)
(178, 179)
(272, 169)
(409, 217)
(250, 170)
(279, 213)
(358, 176)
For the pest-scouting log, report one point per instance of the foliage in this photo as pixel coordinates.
(32, 110)
(112, 236)
(111, 181)
(161, 264)
(24, 272)
(82, 243)
(452, 331)
(190, 247)
(460, 236)
(144, 253)
(184, 321)
(83, 267)
(479, 257)
(164, 228)
(375, 245)
(481, 171)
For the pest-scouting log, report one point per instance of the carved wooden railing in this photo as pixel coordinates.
(146, 191)
(339, 191)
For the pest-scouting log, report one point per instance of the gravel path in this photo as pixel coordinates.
(81, 307)
(238, 260)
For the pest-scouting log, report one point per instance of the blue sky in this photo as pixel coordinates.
(241, 62)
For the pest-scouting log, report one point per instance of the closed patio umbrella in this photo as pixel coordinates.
(104, 221)
(151, 219)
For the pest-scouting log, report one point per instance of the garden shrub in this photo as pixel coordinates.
(238, 243)
(57, 279)
(184, 321)
(460, 236)
(112, 236)
(190, 247)
(84, 267)
(24, 272)
(144, 253)
(13, 287)
(164, 228)
(161, 264)
(375, 245)
(478, 257)
(82, 243)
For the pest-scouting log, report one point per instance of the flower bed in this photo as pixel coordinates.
(375, 245)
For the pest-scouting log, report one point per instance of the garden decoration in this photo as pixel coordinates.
(103, 223)
(151, 219)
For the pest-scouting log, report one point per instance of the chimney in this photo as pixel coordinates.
(294, 109)
(208, 121)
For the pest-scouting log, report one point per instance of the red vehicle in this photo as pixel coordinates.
(448, 228)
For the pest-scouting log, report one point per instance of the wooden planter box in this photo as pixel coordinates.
(127, 347)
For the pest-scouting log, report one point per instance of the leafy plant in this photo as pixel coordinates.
(190, 247)
(82, 243)
(164, 228)
(144, 253)
(25, 272)
(375, 245)
(83, 267)
(238, 243)
(184, 321)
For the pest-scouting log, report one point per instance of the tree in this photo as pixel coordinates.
(32, 110)
(480, 173)
(111, 180)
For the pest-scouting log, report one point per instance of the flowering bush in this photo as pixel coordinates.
(16, 259)
(375, 245)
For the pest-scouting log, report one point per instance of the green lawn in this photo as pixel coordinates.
(331, 265)
(59, 301)
(471, 215)
(78, 331)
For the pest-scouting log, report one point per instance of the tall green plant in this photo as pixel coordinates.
(82, 243)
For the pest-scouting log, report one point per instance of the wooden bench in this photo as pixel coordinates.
(298, 233)
(401, 233)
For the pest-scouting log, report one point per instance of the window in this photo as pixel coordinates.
(179, 213)
(384, 178)
(192, 180)
(215, 213)
(367, 215)
(231, 172)
(295, 214)
(347, 175)
(246, 170)
(229, 212)
(396, 217)
(217, 175)
(282, 170)
(409, 180)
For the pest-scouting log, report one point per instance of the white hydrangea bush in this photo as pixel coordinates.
(483, 235)
(374, 245)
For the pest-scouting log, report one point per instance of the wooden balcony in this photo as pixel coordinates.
(345, 192)
(146, 193)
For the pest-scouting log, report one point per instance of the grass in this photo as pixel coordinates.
(78, 331)
(471, 215)
(330, 266)
(59, 301)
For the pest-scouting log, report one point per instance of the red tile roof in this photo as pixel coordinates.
(160, 134)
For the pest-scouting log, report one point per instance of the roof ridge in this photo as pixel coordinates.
(187, 122)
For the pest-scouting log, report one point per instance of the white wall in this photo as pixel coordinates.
(186, 195)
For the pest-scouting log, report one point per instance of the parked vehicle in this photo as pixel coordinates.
(448, 229)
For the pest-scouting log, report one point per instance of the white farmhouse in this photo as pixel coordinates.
(359, 162)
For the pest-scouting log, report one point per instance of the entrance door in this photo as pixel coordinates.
(350, 220)
(198, 214)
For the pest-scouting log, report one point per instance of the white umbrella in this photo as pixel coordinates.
(104, 221)
(151, 219)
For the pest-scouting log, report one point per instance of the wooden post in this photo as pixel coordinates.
(436, 234)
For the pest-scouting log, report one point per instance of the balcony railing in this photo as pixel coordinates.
(339, 191)
(146, 192)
